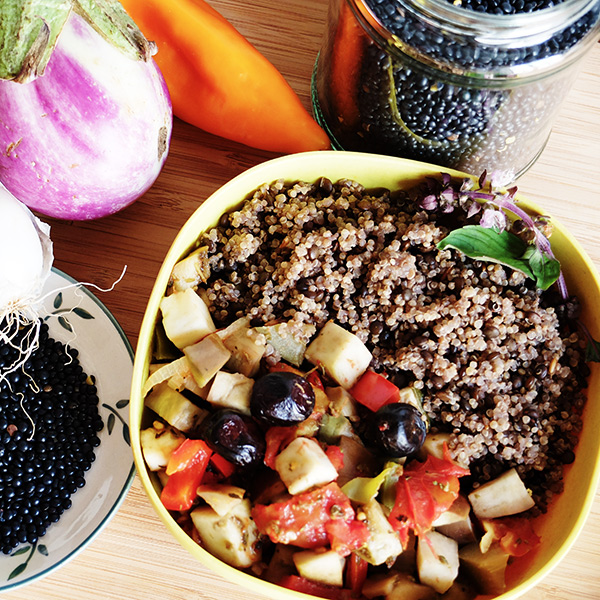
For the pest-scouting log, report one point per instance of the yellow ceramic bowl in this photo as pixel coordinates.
(566, 518)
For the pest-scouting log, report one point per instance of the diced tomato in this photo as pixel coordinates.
(276, 439)
(373, 390)
(423, 492)
(313, 588)
(301, 520)
(346, 536)
(179, 492)
(336, 456)
(356, 574)
(515, 534)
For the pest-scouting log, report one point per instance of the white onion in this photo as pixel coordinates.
(25, 263)
(26, 255)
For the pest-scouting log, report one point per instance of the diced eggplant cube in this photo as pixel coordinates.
(342, 354)
(233, 538)
(437, 561)
(231, 390)
(207, 357)
(303, 464)
(174, 408)
(505, 495)
(185, 317)
(322, 567)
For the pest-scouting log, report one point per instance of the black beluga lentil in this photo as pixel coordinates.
(49, 422)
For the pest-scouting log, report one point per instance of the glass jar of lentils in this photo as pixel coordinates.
(472, 85)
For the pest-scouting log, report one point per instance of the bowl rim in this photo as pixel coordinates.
(251, 179)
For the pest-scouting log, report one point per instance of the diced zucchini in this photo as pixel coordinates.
(332, 428)
(290, 347)
(341, 402)
(383, 544)
(397, 586)
(303, 464)
(186, 318)
(233, 538)
(458, 511)
(281, 563)
(207, 357)
(342, 354)
(174, 408)
(177, 373)
(358, 460)
(505, 495)
(461, 531)
(323, 567)
(487, 569)
(437, 561)
(221, 498)
(434, 444)
(460, 590)
(163, 348)
(190, 271)
(456, 522)
(246, 346)
(231, 390)
(158, 443)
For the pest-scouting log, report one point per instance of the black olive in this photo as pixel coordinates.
(282, 398)
(235, 437)
(396, 430)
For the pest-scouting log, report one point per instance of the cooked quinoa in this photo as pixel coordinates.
(500, 364)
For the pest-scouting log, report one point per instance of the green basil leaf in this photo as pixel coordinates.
(489, 245)
(592, 351)
(545, 269)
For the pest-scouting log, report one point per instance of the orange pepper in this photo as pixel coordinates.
(219, 82)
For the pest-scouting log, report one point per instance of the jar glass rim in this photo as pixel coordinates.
(487, 28)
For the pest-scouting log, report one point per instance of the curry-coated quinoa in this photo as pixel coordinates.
(499, 362)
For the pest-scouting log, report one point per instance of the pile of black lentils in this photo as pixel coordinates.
(435, 120)
(49, 423)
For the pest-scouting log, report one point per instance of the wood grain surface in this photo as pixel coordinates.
(134, 558)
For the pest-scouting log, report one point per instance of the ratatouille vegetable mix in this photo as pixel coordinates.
(354, 395)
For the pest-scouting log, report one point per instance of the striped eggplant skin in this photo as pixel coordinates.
(91, 135)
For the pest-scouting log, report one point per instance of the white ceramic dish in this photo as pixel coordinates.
(75, 316)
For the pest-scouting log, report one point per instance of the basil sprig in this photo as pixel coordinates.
(506, 248)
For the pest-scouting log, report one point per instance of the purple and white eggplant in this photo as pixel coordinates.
(89, 133)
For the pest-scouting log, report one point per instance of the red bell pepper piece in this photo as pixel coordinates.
(356, 574)
(373, 390)
(187, 472)
(313, 588)
(276, 438)
(282, 366)
(190, 452)
(314, 379)
(222, 465)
